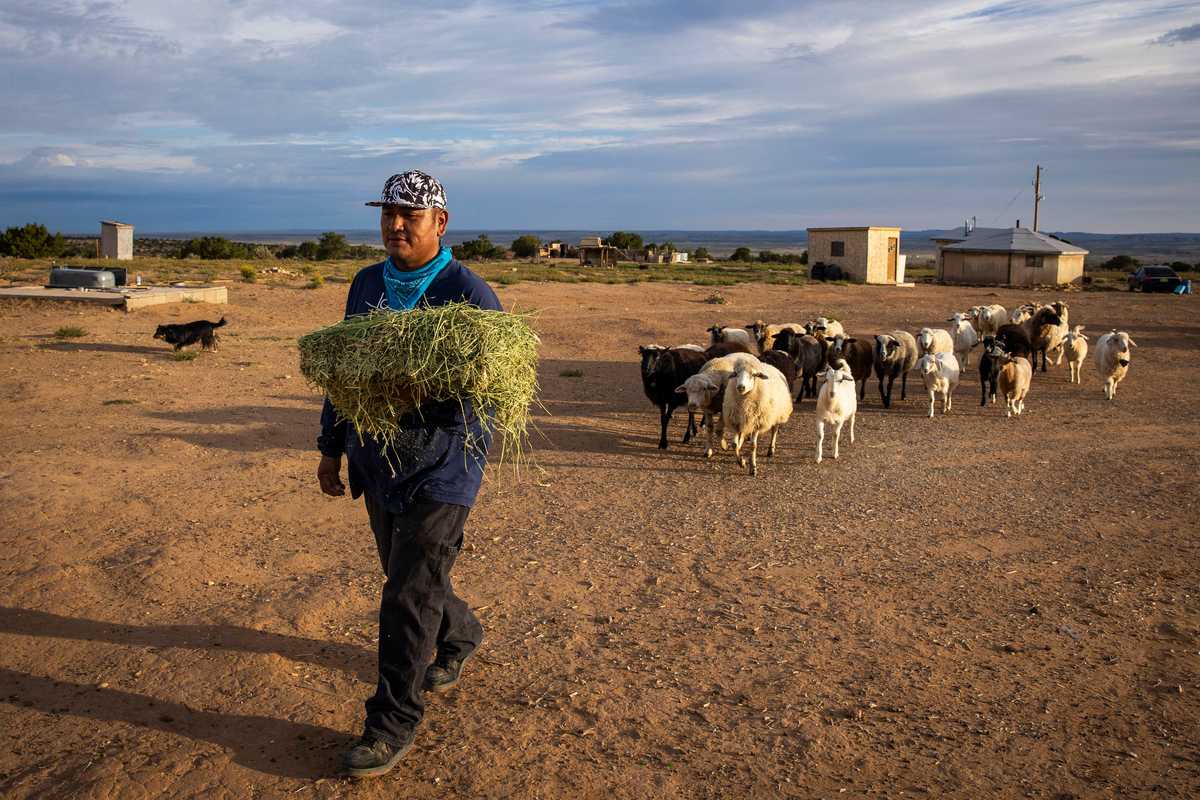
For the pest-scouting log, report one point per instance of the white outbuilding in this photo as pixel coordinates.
(116, 240)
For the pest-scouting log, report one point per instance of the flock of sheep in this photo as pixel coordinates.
(743, 385)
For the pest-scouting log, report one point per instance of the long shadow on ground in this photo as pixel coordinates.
(331, 655)
(271, 746)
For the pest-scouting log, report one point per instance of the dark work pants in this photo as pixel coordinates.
(419, 610)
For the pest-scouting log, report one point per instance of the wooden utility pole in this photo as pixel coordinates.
(1037, 195)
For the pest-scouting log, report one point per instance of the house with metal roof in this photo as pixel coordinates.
(1007, 256)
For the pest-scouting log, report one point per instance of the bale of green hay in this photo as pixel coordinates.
(376, 367)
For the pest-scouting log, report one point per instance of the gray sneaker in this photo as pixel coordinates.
(370, 757)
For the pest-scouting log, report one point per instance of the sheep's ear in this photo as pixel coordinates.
(1081, 336)
(848, 341)
(1131, 341)
(680, 390)
(761, 375)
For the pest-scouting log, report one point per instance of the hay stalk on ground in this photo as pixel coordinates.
(379, 366)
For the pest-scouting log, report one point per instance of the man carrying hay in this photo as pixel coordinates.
(419, 487)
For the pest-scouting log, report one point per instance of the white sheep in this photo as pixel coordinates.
(941, 373)
(934, 340)
(964, 338)
(766, 333)
(1020, 314)
(1112, 360)
(837, 402)
(1075, 346)
(829, 328)
(1015, 375)
(721, 333)
(988, 318)
(757, 401)
(705, 390)
(1056, 352)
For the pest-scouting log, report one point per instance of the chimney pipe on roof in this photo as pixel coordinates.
(1018, 223)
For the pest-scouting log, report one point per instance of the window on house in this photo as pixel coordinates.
(1034, 261)
(837, 248)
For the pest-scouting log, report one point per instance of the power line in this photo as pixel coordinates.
(1007, 207)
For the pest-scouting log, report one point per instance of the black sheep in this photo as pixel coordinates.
(1035, 327)
(724, 349)
(663, 371)
(783, 362)
(858, 354)
(1015, 341)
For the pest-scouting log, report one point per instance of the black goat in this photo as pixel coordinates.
(990, 362)
(663, 370)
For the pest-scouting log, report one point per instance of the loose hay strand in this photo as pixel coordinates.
(379, 366)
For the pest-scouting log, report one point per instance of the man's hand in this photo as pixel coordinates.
(329, 476)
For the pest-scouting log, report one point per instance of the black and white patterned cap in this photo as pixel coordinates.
(412, 189)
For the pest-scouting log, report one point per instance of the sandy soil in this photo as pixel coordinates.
(967, 606)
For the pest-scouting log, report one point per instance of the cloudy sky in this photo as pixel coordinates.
(693, 114)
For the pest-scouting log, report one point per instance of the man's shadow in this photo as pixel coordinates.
(330, 655)
(273, 746)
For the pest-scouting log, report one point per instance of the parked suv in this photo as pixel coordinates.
(1154, 279)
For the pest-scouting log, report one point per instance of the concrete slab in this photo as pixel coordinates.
(127, 297)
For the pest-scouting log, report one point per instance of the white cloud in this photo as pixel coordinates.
(266, 92)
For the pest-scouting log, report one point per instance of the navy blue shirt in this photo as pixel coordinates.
(438, 454)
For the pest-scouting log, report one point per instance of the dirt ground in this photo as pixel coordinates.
(969, 606)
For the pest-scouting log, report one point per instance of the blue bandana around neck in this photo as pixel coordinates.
(405, 288)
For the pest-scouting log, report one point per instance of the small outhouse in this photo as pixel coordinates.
(116, 240)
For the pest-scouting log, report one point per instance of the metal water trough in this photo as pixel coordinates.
(85, 278)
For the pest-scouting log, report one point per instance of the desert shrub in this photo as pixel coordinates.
(249, 273)
(69, 332)
(526, 246)
(1122, 262)
(315, 282)
(571, 373)
(332, 246)
(624, 240)
(31, 241)
(215, 248)
(184, 355)
(480, 248)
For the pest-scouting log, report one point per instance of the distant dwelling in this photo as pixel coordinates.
(678, 257)
(594, 253)
(867, 255)
(1006, 256)
(551, 250)
(116, 240)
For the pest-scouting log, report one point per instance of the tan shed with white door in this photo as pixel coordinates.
(866, 255)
